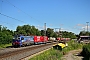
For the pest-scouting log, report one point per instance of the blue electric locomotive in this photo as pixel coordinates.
(22, 41)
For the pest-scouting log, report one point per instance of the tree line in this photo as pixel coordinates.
(7, 35)
(84, 33)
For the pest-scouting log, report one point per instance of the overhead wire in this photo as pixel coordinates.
(8, 23)
(22, 11)
(12, 17)
(19, 10)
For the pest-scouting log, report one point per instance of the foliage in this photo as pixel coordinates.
(42, 32)
(27, 30)
(84, 33)
(6, 35)
(55, 35)
(66, 34)
(86, 50)
(51, 54)
(5, 45)
(72, 45)
(49, 32)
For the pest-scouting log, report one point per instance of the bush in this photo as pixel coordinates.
(72, 45)
(86, 50)
(5, 38)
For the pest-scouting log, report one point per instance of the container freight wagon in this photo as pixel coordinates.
(58, 38)
(63, 39)
(28, 40)
(40, 39)
(52, 39)
(45, 39)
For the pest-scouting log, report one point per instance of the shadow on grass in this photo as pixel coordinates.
(86, 58)
(9, 47)
(83, 57)
(57, 47)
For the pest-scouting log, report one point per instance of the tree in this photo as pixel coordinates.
(55, 35)
(6, 35)
(27, 30)
(49, 32)
(84, 33)
(38, 33)
(42, 32)
(66, 34)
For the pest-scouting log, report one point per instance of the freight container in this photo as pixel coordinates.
(38, 39)
(45, 39)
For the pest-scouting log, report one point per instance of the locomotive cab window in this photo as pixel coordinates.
(18, 38)
(22, 38)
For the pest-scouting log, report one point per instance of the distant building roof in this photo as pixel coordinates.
(84, 36)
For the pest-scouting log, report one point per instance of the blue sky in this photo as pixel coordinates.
(69, 15)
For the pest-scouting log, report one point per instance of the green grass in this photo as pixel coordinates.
(72, 45)
(5, 45)
(54, 54)
(51, 54)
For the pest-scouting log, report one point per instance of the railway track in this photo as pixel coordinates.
(22, 53)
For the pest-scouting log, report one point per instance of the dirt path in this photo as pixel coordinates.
(73, 55)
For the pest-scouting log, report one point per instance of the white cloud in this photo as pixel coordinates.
(50, 25)
(80, 25)
(40, 27)
(85, 28)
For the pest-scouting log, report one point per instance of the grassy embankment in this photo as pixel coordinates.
(56, 54)
(5, 45)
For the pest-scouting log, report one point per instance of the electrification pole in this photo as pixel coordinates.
(45, 29)
(60, 32)
(84, 29)
(87, 26)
